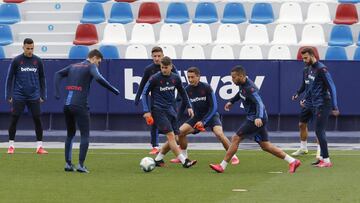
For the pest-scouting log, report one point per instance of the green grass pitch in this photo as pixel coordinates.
(115, 176)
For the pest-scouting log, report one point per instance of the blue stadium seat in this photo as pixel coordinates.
(2, 53)
(358, 41)
(121, 13)
(6, 36)
(78, 52)
(100, 1)
(336, 53)
(357, 54)
(262, 13)
(9, 14)
(205, 13)
(177, 12)
(234, 12)
(341, 35)
(93, 13)
(109, 52)
(349, 1)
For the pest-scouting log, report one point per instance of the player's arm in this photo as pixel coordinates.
(59, 75)
(145, 95)
(184, 96)
(144, 80)
(181, 108)
(101, 80)
(10, 81)
(43, 89)
(213, 106)
(330, 85)
(300, 90)
(232, 101)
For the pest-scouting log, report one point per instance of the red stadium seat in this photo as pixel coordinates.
(301, 48)
(149, 12)
(129, 1)
(346, 14)
(86, 34)
(13, 1)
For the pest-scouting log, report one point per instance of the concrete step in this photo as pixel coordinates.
(47, 37)
(52, 15)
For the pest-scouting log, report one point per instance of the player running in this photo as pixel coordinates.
(255, 124)
(76, 109)
(204, 104)
(162, 110)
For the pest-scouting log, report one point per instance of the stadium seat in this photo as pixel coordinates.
(285, 34)
(199, 33)
(9, 14)
(99, 1)
(346, 14)
(349, 1)
(312, 34)
(193, 51)
(318, 13)
(298, 57)
(256, 34)
(357, 54)
(136, 52)
(114, 33)
(228, 34)
(336, 53)
(14, 1)
(143, 33)
(129, 1)
(171, 33)
(250, 52)
(177, 12)
(262, 13)
(93, 12)
(86, 34)
(109, 51)
(2, 53)
(149, 12)
(222, 52)
(279, 52)
(121, 13)
(358, 41)
(341, 35)
(6, 36)
(205, 13)
(234, 13)
(169, 51)
(290, 12)
(78, 52)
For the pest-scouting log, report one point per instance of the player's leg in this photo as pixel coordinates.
(83, 121)
(17, 109)
(185, 129)
(305, 116)
(34, 107)
(154, 140)
(71, 130)
(219, 133)
(322, 116)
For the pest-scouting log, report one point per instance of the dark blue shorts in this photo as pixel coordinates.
(214, 121)
(165, 121)
(306, 115)
(33, 106)
(250, 131)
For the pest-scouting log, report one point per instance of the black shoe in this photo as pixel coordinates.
(315, 162)
(82, 169)
(69, 168)
(160, 163)
(188, 163)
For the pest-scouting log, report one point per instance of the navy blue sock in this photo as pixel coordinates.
(84, 145)
(154, 136)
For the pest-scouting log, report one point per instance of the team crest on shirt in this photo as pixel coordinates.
(173, 81)
(35, 63)
(21, 62)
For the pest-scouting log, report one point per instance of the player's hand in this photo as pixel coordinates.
(199, 126)
(295, 97)
(258, 122)
(10, 100)
(302, 103)
(227, 106)
(41, 100)
(148, 118)
(335, 112)
(191, 112)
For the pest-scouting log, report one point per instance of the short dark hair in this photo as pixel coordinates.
(239, 70)
(28, 41)
(309, 50)
(194, 70)
(96, 53)
(156, 49)
(166, 61)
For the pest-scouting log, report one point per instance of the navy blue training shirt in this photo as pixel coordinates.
(162, 88)
(253, 105)
(79, 77)
(321, 86)
(26, 79)
(305, 86)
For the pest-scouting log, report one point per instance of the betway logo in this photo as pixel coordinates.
(221, 85)
(196, 99)
(162, 89)
(27, 69)
(311, 77)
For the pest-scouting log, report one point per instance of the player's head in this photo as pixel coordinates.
(166, 65)
(238, 75)
(28, 47)
(308, 55)
(157, 54)
(193, 74)
(95, 57)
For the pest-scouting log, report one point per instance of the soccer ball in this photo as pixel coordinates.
(147, 164)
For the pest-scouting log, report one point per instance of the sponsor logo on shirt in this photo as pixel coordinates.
(74, 88)
(171, 88)
(27, 69)
(196, 99)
